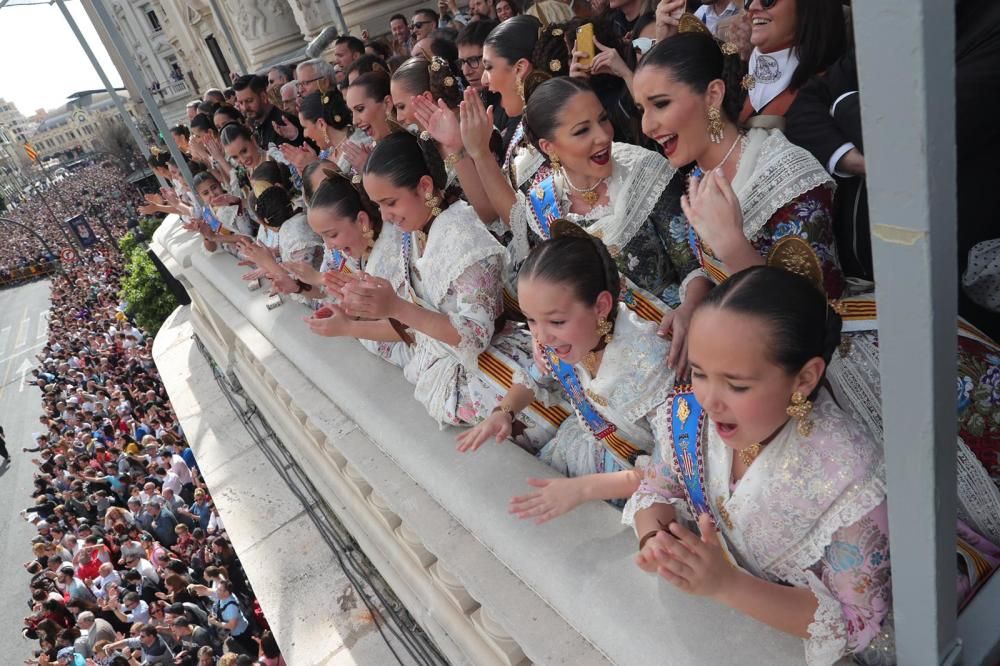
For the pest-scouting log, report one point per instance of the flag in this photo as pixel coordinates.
(32, 155)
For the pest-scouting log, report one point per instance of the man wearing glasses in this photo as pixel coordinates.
(315, 75)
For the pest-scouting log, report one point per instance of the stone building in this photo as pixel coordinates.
(181, 48)
(73, 130)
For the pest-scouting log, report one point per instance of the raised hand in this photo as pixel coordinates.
(695, 565)
(476, 124)
(285, 129)
(608, 61)
(356, 155)
(304, 271)
(668, 16)
(298, 156)
(713, 209)
(440, 122)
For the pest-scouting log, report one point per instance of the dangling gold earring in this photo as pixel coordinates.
(520, 90)
(715, 127)
(604, 330)
(556, 164)
(800, 409)
(433, 202)
(369, 235)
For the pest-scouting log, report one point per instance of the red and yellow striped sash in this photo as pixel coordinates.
(497, 370)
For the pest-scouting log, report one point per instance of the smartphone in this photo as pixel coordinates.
(585, 42)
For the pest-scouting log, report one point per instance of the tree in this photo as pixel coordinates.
(116, 140)
(148, 299)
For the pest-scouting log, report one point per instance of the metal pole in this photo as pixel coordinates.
(127, 57)
(228, 34)
(129, 120)
(908, 111)
(340, 16)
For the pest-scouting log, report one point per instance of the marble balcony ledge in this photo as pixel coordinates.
(489, 588)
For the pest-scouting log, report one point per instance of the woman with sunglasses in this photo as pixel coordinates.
(792, 40)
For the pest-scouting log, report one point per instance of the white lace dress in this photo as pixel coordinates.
(809, 512)
(633, 380)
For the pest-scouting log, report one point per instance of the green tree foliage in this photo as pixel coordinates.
(149, 300)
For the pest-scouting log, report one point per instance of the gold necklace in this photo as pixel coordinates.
(749, 454)
(589, 195)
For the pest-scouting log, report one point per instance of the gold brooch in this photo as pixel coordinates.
(728, 48)
(449, 81)
(683, 411)
(598, 398)
(555, 65)
(435, 65)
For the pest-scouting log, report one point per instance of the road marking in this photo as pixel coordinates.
(25, 366)
(22, 329)
(6, 378)
(4, 335)
(43, 324)
(23, 351)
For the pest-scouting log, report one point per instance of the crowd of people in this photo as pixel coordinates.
(634, 243)
(131, 563)
(97, 192)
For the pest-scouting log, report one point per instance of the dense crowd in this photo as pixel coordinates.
(635, 243)
(132, 564)
(96, 192)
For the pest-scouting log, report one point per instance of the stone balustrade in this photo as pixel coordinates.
(487, 587)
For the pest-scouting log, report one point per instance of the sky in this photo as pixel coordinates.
(41, 62)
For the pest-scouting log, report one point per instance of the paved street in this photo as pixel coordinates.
(23, 331)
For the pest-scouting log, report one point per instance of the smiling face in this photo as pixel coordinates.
(501, 76)
(559, 319)
(400, 30)
(209, 189)
(582, 138)
(315, 131)
(742, 390)
(772, 29)
(368, 114)
(402, 100)
(674, 114)
(244, 152)
(504, 10)
(401, 206)
(340, 232)
(252, 105)
(422, 25)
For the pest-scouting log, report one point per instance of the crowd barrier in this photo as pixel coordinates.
(489, 588)
(15, 276)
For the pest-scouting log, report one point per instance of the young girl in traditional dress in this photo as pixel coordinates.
(609, 363)
(759, 467)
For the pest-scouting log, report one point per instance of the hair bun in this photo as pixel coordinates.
(561, 228)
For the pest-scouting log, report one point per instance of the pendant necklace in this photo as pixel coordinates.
(589, 195)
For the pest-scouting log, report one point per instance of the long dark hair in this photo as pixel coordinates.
(333, 110)
(418, 75)
(546, 101)
(803, 325)
(574, 258)
(344, 199)
(820, 37)
(696, 59)
(404, 160)
(515, 38)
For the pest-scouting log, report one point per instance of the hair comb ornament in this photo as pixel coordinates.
(555, 65)
(729, 49)
(795, 255)
(690, 23)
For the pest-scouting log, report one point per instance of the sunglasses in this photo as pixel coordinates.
(766, 4)
(416, 25)
(472, 61)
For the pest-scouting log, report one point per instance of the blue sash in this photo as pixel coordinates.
(338, 260)
(544, 204)
(566, 374)
(687, 419)
(211, 219)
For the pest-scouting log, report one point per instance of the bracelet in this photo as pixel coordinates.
(506, 410)
(453, 159)
(647, 536)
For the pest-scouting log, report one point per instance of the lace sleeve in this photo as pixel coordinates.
(852, 586)
(659, 485)
(477, 301)
(519, 247)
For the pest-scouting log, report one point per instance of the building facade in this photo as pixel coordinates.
(75, 129)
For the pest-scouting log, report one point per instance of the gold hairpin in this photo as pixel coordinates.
(555, 65)
(729, 49)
